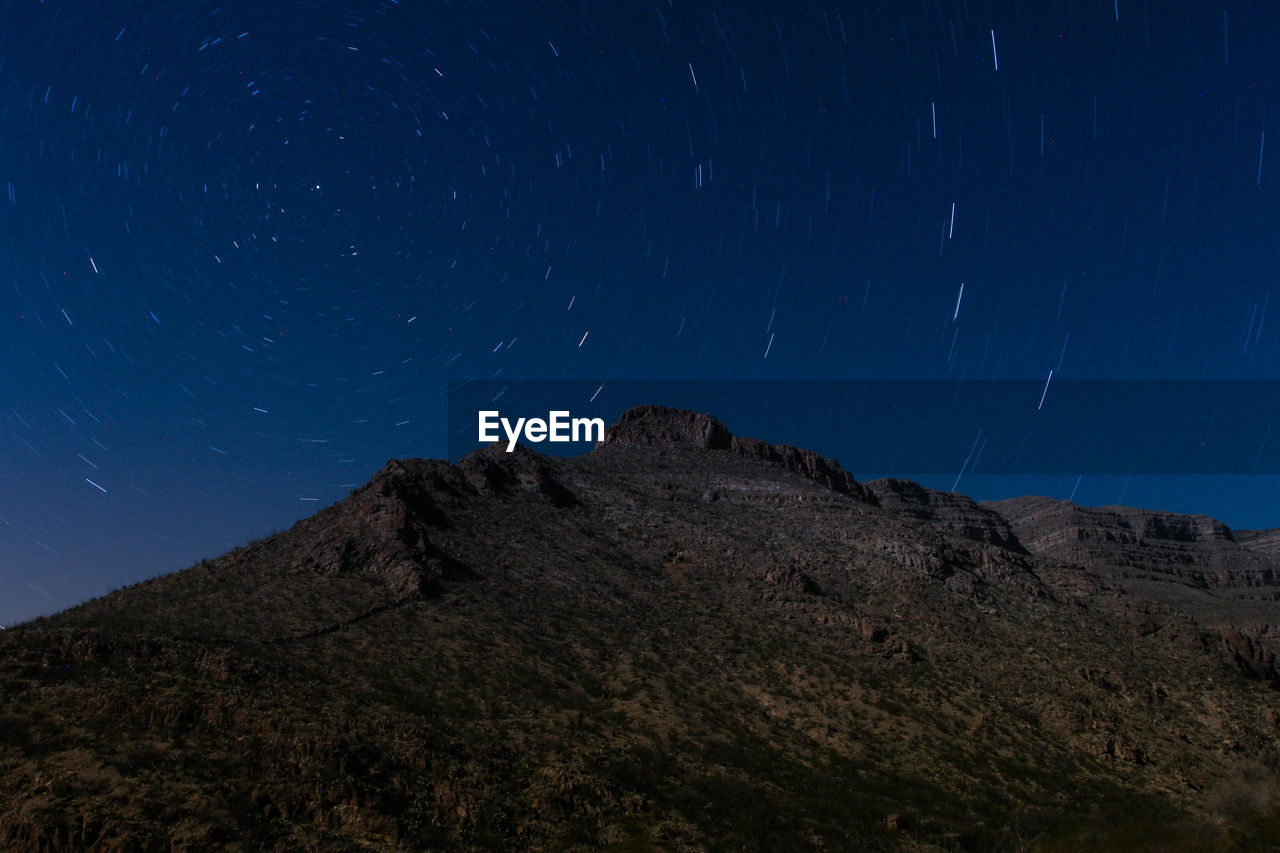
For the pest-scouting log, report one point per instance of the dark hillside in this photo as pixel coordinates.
(681, 640)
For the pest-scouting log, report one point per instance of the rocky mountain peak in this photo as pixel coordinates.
(663, 426)
(666, 427)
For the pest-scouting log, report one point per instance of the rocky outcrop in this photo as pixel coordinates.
(488, 472)
(1262, 541)
(1193, 549)
(1251, 657)
(494, 471)
(951, 509)
(663, 426)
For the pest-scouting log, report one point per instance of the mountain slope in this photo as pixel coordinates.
(683, 639)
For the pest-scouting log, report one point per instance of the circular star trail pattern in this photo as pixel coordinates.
(245, 245)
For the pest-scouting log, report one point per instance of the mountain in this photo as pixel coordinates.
(683, 639)
(1124, 542)
(952, 510)
(1265, 541)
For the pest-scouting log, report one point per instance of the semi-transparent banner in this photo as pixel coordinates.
(911, 426)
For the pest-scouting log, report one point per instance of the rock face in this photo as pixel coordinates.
(1120, 541)
(661, 426)
(680, 640)
(1262, 541)
(1252, 657)
(952, 510)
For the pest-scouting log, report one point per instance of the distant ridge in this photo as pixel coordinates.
(1122, 541)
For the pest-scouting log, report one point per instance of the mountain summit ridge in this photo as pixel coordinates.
(681, 639)
(652, 425)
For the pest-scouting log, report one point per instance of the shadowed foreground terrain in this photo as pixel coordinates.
(681, 640)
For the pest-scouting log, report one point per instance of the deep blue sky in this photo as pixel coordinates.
(245, 244)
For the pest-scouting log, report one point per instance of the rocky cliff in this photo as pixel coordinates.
(1121, 541)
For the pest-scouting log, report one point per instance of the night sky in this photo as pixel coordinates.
(245, 245)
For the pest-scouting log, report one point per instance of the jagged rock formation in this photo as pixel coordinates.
(681, 640)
